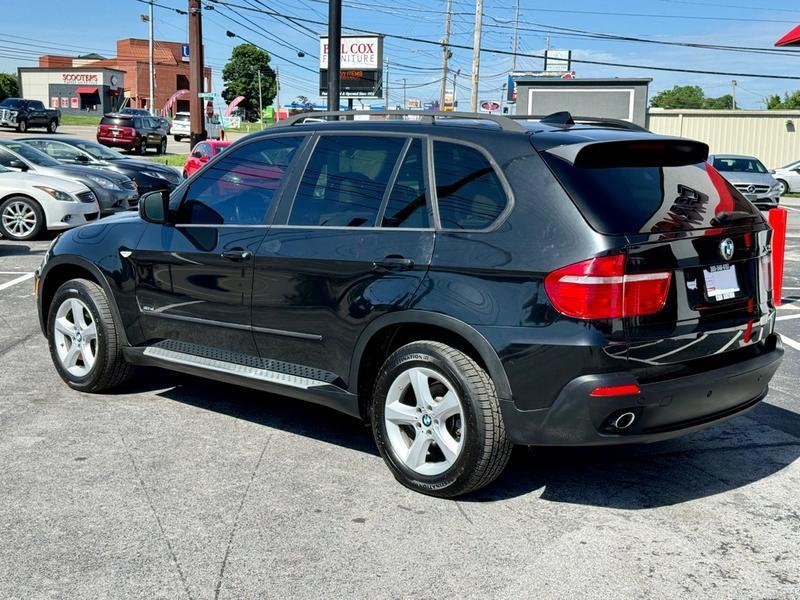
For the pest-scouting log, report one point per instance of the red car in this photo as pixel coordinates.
(201, 154)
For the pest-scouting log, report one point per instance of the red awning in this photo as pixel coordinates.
(790, 39)
(86, 90)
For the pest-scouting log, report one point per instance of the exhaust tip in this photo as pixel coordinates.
(623, 421)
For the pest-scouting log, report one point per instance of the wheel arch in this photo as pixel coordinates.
(61, 269)
(387, 333)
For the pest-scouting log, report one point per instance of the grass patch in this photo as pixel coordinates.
(171, 160)
(794, 195)
(91, 120)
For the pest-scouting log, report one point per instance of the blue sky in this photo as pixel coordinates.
(95, 25)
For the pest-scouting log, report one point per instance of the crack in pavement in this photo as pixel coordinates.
(218, 587)
(155, 514)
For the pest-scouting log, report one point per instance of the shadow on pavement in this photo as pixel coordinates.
(626, 477)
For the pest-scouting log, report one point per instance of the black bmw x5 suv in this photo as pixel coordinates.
(463, 283)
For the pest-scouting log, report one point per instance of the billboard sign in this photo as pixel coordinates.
(414, 104)
(358, 52)
(558, 61)
(489, 106)
(354, 83)
(184, 52)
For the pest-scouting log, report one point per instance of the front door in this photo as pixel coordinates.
(194, 277)
(354, 243)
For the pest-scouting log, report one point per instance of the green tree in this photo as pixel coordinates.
(305, 104)
(681, 96)
(241, 77)
(788, 102)
(722, 103)
(9, 86)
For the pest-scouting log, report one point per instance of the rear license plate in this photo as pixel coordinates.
(721, 282)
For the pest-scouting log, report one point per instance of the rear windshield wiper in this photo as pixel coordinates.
(729, 216)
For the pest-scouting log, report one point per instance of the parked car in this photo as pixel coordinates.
(462, 287)
(789, 178)
(181, 127)
(30, 203)
(23, 114)
(114, 192)
(750, 177)
(133, 133)
(202, 153)
(147, 176)
(141, 112)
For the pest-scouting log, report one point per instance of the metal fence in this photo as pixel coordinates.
(771, 135)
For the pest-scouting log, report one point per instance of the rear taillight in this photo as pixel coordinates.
(766, 271)
(128, 132)
(103, 129)
(599, 288)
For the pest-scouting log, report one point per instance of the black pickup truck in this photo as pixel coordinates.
(24, 114)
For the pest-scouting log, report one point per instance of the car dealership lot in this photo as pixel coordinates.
(179, 487)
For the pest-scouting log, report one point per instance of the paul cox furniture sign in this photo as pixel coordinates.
(358, 52)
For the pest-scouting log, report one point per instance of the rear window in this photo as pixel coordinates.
(118, 121)
(180, 117)
(620, 200)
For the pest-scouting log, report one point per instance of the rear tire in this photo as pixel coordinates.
(52, 126)
(177, 138)
(85, 342)
(162, 147)
(436, 420)
(142, 148)
(21, 218)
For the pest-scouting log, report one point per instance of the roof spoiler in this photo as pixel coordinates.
(655, 151)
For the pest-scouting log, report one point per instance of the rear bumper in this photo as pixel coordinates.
(663, 409)
(117, 142)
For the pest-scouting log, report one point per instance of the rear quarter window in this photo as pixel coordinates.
(469, 191)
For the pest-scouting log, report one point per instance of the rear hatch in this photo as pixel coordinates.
(678, 215)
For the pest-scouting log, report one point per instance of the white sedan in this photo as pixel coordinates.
(789, 177)
(30, 203)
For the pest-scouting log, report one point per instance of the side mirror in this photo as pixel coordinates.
(197, 154)
(772, 171)
(18, 164)
(82, 158)
(153, 207)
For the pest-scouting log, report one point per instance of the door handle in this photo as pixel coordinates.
(237, 254)
(393, 262)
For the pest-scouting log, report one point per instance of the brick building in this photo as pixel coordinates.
(171, 70)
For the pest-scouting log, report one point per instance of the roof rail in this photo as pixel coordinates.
(428, 116)
(565, 119)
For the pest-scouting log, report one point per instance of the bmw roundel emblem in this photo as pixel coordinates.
(426, 420)
(726, 248)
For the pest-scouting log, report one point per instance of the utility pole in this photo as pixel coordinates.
(455, 88)
(196, 120)
(733, 87)
(152, 104)
(516, 38)
(386, 86)
(260, 102)
(476, 54)
(334, 52)
(404, 93)
(446, 52)
(277, 95)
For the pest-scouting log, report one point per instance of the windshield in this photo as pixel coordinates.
(30, 153)
(790, 166)
(99, 152)
(739, 165)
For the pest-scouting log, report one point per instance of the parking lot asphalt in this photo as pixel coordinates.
(175, 487)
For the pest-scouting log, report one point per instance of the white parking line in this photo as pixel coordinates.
(787, 317)
(791, 208)
(17, 280)
(790, 342)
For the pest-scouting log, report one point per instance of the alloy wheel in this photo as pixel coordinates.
(424, 421)
(19, 219)
(75, 335)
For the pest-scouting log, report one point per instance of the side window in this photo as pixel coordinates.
(6, 158)
(345, 181)
(36, 105)
(468, 189)
(240, 188)
(406, 206)
(61, 151)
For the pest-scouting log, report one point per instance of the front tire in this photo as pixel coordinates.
(21, 218)
(22, 125)
(436, 420)
(85, 342)
(784, 187)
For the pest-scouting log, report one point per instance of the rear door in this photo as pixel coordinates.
(685, 219)
(353, 243)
